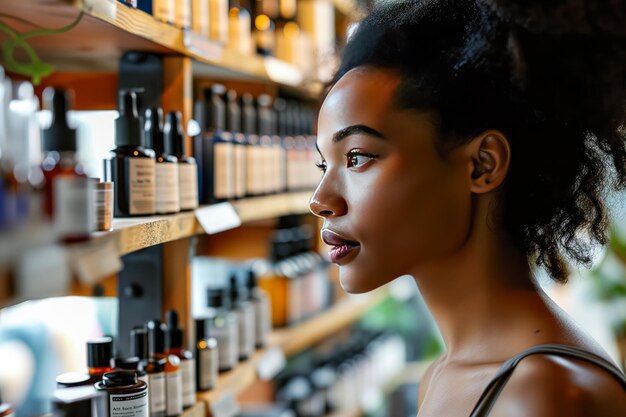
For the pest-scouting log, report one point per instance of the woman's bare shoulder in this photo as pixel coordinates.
(551, 386)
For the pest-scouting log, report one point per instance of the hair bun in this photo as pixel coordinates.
(564, 17)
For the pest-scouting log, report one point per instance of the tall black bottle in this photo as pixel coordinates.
(131, 166)
(214, 148)
(233, 125)
(267, 159)
(253, 149)
(187, 166)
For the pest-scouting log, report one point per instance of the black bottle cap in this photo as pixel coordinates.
(119, 378)
(153, 130)
(251, 281)
(139, 343)
(174, 136)
(128, 129)
(130, 364)
(249, 114)
(264, 102)
(58, 136)
(233, 112)
(156, 336)
(174, 334)
(73, 379)
(202, 329)
(99, 352)
(216, 298)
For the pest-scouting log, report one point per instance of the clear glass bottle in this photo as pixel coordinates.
(68, 192)
(130, 166)
(174, 342)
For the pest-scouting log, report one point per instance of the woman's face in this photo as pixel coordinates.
(391, 204)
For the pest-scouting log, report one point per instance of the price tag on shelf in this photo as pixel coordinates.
(271, 363)
(96, 260)
(225, 406)
(218, 218)
(107, 8)
(201, 45)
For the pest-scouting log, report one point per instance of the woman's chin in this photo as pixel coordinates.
(354, 283)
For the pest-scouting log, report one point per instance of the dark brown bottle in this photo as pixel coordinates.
(128, 396)
(187, 166)
(131, 166)
(99, 355)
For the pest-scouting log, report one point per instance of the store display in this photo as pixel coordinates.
(68, 192)
(245, 318)
(166, 169)
(187, 166)
(207, 356)
(99, 355)
(173, 374)
(127, 396)
(131, 166)
(174, 343)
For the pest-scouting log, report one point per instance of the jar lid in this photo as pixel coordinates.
(119, 378)
(73, 379)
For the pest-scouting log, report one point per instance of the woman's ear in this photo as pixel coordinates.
(489, 157)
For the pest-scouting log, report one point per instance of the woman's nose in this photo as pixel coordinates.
(326, 201)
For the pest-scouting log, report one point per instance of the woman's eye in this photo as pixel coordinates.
(356, 159)
(321, 165)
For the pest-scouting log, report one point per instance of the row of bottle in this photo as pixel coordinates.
(345, 378)
(290, 31)
(149, 168)
(296, 278)
(246, 149)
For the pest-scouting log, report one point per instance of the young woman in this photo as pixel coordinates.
(465, 142)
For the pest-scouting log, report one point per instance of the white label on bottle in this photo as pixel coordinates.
(188, 185)
(163, 10)
(157, 392)
(188, 368)
(167, 193)
(251, 174)
(245, 319)
(174, 389)
(142, 187)
(240, 170)
(223, 159)
(209, 361)
(73, 205)
(129, 405)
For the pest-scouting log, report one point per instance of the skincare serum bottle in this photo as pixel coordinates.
(262, 310)
(187, 167)
(99, 355)
(166, 170)
(174, 341)
(68, 193)
(128, 396)
(207, 356)
(173, 374)
(131, 166)
(155, 368)
(245, 318)
(233, 125)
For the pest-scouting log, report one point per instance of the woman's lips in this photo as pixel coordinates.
(341, 247)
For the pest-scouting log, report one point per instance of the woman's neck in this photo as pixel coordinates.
(484, 298)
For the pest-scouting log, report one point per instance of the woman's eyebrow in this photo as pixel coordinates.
(356, 129)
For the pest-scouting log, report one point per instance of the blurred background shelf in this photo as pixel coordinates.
(293, 340)
(107, 29)
(197, 410)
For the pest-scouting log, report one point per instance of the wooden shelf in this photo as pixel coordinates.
(197, 410)
(134, 234)
(108, 29)
(293, 340)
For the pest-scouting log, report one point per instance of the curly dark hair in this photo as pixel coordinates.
(549, 74)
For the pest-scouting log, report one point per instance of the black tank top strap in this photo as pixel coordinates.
(495, 387)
